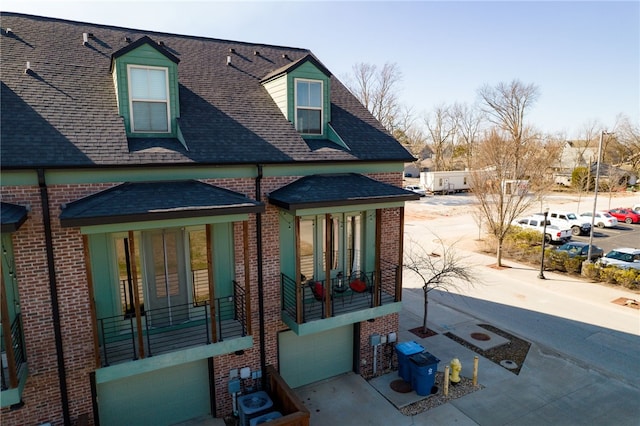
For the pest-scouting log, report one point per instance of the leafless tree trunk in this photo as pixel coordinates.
(437, 270)
(502, 199)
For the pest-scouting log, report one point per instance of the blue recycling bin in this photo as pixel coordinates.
(424, 367)
(404, 351)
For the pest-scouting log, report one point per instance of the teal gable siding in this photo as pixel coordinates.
(145, 55)
(310, 72)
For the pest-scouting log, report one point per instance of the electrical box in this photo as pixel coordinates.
(383, 339)
(374, 339)
(392, 337)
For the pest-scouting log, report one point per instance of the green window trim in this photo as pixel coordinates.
(149, 99)
(309, 106)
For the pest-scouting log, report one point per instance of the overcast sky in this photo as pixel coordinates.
(583, 56)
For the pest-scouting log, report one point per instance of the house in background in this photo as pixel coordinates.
(180, 214)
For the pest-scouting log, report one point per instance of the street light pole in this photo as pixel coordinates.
(544, 240)
(595, 196)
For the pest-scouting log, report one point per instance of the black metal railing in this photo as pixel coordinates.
(343, 298)
(171, 329)
(17, 344)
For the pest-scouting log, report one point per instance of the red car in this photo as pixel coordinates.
(625, 215)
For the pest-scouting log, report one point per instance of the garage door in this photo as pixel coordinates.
(166, 396)
(307, 359)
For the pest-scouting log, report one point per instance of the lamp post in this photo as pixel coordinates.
(544, 240)
(595, 196)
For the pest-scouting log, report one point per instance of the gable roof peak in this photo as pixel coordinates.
(295, 64)
(145, 40)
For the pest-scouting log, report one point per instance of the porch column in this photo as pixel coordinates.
(212, 284)
(297, 272)
(6, 331)
(136, 294)
(92, 301)
(378, 273)
(328, 260)
(247, 275)
(398, 295)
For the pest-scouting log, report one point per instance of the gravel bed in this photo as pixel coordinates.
(464, 387)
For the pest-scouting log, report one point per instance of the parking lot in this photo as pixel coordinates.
(460, 210)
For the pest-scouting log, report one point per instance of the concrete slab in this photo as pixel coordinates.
(478, 336)
(383, 385)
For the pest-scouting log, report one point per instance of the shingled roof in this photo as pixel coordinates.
(63, 113)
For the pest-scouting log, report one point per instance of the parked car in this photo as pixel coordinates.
(580, 249)
(624, 258)
(553, 232)
(636, 208)
(601, 219)
(627, 216)
(578, 225)
(416, 189)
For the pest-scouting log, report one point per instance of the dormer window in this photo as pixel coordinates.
(149, 97)
(309, 106)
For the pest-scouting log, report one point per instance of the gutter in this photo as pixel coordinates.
(53, 288)
(263, 356)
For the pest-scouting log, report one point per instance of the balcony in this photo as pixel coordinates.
(126, 338)
(306, 301)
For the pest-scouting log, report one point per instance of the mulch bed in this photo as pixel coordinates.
(516, 350)
(419, 332)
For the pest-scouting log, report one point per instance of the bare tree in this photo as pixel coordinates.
(442, 127)
(442, 271)
(502, 199)
(505, 106)
(628, 134)
(377, 89)
(469, 121)
(408, 133)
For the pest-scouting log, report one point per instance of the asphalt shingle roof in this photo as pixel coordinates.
(64, 112)
(336, 190)
(143, 201)
(12, 216)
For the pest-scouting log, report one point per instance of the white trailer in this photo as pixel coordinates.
(446, 182)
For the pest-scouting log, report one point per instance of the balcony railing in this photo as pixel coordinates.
(307, 300)
(13, 355)
(123, 338)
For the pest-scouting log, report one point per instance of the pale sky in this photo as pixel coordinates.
(583, 56)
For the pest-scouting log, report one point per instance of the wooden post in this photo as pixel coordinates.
(398, 289)
(328, 260)
(212, 284)
(298, 274)
(445, 391)
(247, 274)
(92, 301)
(475, 371)
(378, 264)
(136, 294)
(8, 340)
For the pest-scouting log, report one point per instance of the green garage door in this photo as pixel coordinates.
(162, 397)
(307, 359)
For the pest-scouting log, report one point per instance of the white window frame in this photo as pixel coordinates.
(320, 108)
(167, 101)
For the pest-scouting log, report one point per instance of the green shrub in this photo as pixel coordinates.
(608, 274)
(629, 278)
(557, 261)
(591, 271)
(573, 264)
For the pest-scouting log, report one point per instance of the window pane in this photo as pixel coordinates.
(315, 95)
(308, 121)
(150, 117)
(148, 84)
(302, 91)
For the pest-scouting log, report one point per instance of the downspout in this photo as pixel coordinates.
(263, 356)
(53, 288)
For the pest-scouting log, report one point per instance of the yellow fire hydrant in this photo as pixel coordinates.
(455, 368)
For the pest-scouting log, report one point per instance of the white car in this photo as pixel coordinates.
(416, 189)
(601, 219)
(624, 258)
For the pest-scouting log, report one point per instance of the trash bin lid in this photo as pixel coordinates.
(423, 359)
(409, 348)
